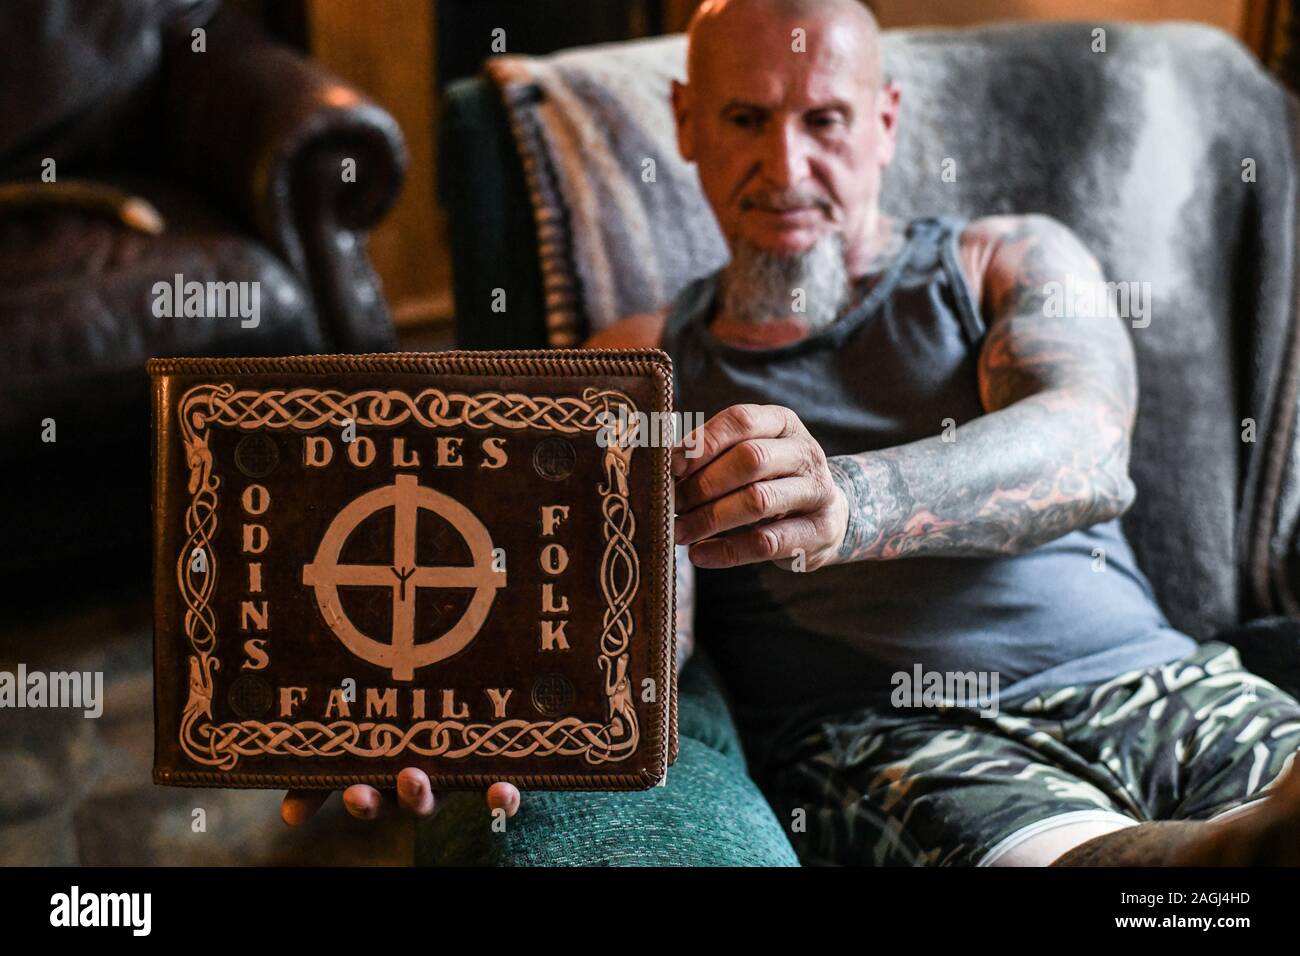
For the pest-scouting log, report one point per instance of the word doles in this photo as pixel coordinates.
(554, 559)
(446, 451)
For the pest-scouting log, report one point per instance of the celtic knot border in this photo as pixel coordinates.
(221, 745)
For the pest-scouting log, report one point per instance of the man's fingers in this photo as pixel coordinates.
(415, 794)
(299, 806)
(503, 796)
(729, 426)
(752, 503)
(363, 802)
(772, 541)
(754, 459)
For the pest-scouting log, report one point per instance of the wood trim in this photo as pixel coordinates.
(677, 14)
(1260, 28)
(387, 50)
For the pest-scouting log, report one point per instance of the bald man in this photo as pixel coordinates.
(911, 469)
(945, 460)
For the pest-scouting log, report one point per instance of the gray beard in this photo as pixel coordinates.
(759, 286)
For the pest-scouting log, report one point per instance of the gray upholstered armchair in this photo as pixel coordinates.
(1172, 153)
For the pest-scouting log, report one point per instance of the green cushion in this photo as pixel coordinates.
(708, 814)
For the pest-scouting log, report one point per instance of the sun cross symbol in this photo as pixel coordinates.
(403, 577)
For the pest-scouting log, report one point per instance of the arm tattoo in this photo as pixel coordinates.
(1051, 453)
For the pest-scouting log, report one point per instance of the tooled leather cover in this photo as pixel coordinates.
(459, 561)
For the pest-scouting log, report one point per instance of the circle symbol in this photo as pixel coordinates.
(257, 455)
(249, 697)
(554, 458)
(552, 694)
(406, 496)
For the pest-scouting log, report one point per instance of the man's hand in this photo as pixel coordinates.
(414, 795)
(758, 490)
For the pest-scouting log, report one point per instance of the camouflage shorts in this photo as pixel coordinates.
(1181, 741)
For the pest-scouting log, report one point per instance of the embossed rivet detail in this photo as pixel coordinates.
(249, 696)
(552, 694)
(256, 456)
(554, 458)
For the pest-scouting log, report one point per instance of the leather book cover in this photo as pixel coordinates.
(459, 561)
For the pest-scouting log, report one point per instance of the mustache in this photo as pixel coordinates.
(784, 200)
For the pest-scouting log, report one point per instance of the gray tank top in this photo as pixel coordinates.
(888, 372)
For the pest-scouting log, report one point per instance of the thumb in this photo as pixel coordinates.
(503, 796)
(299, 806)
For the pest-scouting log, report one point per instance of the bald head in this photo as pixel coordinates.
(721, 23)
(789, 122)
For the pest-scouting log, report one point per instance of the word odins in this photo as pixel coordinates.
(77, 690)
(179, 299)
(651, 430)
(1077, 298)
(977, 690)
(75, 908)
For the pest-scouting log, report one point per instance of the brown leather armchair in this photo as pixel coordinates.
(240, 144)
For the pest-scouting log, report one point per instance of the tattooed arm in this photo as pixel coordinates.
(1049, 456)
(1052, 453)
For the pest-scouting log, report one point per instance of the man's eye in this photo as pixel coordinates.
(824, 121)
(744, 120)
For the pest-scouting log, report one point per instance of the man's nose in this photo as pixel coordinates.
(785, 155)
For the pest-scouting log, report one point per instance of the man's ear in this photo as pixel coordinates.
(681, 114)
(887, 105)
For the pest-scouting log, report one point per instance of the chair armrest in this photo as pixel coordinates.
(491, 223)
(265, 132)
